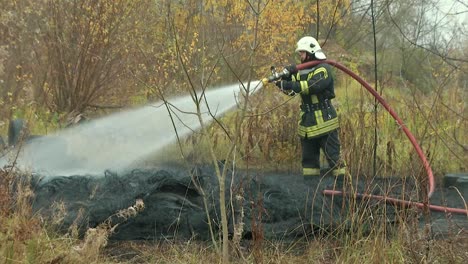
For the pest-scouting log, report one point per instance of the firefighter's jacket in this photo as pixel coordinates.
(318, 116)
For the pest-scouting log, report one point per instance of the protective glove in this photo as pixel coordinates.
(292, 69)
(289, 85)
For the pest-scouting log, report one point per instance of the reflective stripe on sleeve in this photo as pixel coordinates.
(304, 87)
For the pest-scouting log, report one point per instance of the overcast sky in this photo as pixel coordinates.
(455, 9)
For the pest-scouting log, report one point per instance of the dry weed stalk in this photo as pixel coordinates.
(239, 223)
(59, 213)
(96, 238)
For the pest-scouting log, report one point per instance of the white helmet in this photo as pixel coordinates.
(312, 46)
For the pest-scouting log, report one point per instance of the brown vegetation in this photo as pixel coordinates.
(62, 58)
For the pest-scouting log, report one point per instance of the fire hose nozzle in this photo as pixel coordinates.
(275, 75)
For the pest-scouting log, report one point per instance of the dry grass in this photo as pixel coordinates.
(27, 238)
(375, 249)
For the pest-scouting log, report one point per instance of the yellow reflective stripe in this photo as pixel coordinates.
(317, 71)
(319, 117)
(304, 87)
(326, 124)
(310, 172)
(321, 69)
(314, 99)
(339, 171)
(318, 129)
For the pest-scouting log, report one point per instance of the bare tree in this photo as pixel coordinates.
(87, 44)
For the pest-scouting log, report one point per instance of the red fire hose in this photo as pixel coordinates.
(431, 184)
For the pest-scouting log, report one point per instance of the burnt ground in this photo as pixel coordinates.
(277, 206)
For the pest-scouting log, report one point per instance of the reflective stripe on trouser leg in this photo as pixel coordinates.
(339, 171)
(310, 172)
(310, 157)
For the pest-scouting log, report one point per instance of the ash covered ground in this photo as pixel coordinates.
(282, 206)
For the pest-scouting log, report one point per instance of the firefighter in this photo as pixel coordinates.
(318, 124)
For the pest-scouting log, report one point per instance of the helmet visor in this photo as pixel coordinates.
(320, 55)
